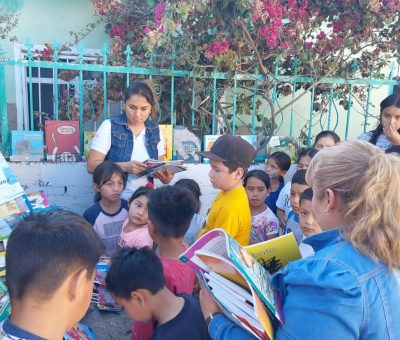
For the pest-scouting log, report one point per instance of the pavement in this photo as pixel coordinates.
(108, 326)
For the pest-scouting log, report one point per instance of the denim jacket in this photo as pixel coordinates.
(122, 139)
(338, 293)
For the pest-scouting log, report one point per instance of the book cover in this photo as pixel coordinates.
(27, 146)
(87, 142)
(62, 140)
(80, 332)
(166, 133)
(5, 303)
(285, 144)
(208, 141)
(154, 165)
(275, 253)
(186, 144)
(17, 206)
(10, 188)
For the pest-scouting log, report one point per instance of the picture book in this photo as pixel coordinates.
(186, 144)
(275, 253)
(208, 141)
(80, 332)
(26, 146)
(166, 133)
(154, 165)
(87, 142)
(10, 188)
(38, 201)
(5, 304)
(218, 253)
(288, 145)
(62, 140)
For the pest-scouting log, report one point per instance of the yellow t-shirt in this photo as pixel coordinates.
(231, 212)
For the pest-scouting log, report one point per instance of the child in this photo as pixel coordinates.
(308, 224)
(283, 201)
(136, 281)
(197, 219)
(276, 167)
(51, 257)
(110, 211)
(171, 208)
(135, 232)
(299, 184)
(325, 139)
(264, 224)
(230, 158)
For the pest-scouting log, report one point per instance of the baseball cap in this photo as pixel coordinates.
(231, 149)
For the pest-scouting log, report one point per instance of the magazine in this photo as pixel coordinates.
(289, 145)
(153, 165)
(275, 253)
(217, 255)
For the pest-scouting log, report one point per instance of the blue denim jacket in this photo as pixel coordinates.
(338, 293)
(122, 139)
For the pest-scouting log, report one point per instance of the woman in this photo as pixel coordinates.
(325, 139)
(387, 133)
(131, 137)
(350, 288)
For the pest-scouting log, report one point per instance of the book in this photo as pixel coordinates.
(166, 132)
(80, 332)
(186, 144)
(275, 253)
(87, 142)
(208, 142)
(5, 303)
(10, 188)
(17, 206)
(218, 253)
(62, 140)
(289, 145)
(27, 146)
(154, 165)
(38, 201)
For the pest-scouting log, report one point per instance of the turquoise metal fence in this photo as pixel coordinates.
(81, 66)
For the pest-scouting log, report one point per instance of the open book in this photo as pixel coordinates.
(237, 281)
(154, 165)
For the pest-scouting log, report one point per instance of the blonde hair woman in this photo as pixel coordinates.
(350, 288)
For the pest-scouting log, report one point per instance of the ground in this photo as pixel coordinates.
(108, 326)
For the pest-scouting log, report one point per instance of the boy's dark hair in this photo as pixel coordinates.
(45, 248)
(132, 269)
(306, 195)
(103, 173)
(394, 149)
(141, 191)
(307, 152)
(327, 133)
(171, 209)
(193, 187)
(259, 174)
(299, 177)
(282, 159)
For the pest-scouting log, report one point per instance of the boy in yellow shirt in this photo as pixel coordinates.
(230, 158)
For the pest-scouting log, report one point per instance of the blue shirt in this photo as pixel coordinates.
(273, 197)
(338, 293)
(10, 331)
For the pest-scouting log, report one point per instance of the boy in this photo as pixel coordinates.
(136, 281)
(299, 184)
(170, 209)
(230, 158)
(50, 261)
(308, 224)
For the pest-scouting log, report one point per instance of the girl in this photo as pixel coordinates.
(326, 138)
(109, 211)
(276, 167)
(135, 232)
(387, 133)
(283, 201)
(264, 224)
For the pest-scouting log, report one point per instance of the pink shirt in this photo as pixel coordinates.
(137, 238)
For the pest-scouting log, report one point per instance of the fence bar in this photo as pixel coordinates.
(3, 108)
(367, 108)
(81, 94)
(105, 51)
(296, 63)
(346, 134)
(29, 46)
(214, 104)
(172, 108)
(390, 89)
(311, 116)
(330, 108)
(254, 106)
(234, 103)
(193, 101)
(55, 78)
(128, 54)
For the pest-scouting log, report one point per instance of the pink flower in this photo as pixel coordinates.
(308, 44)
(118, 31)
(284, 44)
(338, 26)
(158, 14)
(321, 35)
(147, 30)
(215, 48)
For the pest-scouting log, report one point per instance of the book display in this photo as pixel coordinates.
(27, 146)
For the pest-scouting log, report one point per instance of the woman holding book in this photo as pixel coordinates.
(350, 288)
(131, 137)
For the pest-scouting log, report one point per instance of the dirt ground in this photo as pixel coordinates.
(108, 326)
